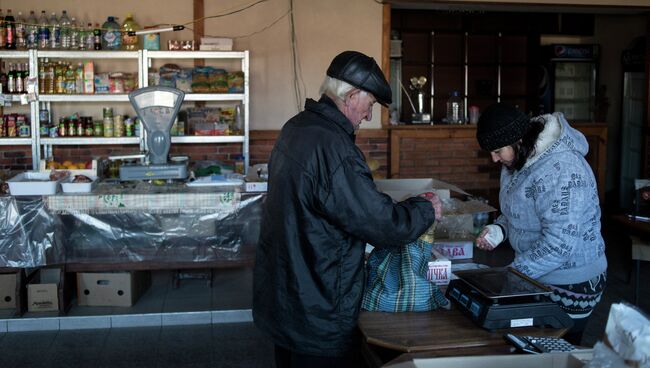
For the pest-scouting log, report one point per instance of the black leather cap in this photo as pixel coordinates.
(362, 72)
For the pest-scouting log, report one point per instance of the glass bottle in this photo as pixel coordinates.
(455, 109)
(19, 78)
(43, 31)
(31, 31)
(4, 78)
(11, 79)
(3, 31)
(21, 31)
(97, 37)
(10, 31)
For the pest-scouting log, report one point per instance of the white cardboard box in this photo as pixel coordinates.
(457, 221)
(439, 268)
(111, 289)
(548, 360)
(8, 290)
(43, 291)
(455, 249)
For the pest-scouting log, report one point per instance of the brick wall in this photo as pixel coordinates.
(458, 161)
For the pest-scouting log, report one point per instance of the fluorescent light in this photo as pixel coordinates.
(156, 30)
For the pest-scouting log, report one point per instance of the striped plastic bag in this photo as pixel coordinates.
(396, 280)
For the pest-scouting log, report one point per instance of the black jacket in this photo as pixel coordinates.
(321, 210)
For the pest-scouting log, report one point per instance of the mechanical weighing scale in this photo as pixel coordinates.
(496, 298)
(157, 107)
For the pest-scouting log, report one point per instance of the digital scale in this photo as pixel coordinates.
(157, 107)
(497, 298)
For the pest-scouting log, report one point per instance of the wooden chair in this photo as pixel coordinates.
(640, 252)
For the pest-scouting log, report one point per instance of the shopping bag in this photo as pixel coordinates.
(397, 282)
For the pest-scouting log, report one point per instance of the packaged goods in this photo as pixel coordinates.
(89, 77)
(154, 78)
(151, 40)
(236, 82)
(102, 83)
(115, 83)
(219, 81)
(184, 80)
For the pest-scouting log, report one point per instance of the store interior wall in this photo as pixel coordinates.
(322, 30)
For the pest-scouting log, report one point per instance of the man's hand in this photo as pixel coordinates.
(435, 203)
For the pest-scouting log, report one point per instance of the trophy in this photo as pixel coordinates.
(417, 85)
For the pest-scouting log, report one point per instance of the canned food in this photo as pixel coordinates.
(108, 127)
(44, 116)
(24, 131)
(98, 128)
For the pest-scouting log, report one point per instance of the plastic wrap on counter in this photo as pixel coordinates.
(33, 236)
(28, 233)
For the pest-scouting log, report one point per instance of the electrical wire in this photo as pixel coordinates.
(298, 83)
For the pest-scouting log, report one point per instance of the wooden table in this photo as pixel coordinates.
(439, 333)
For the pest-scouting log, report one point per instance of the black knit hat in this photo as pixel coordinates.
(501, 125)
(362, 72)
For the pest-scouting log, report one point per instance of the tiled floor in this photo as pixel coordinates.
(215, 337)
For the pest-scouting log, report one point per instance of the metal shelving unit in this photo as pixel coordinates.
(33, 140)
(47, 143)
(41, 146)
(243, 98)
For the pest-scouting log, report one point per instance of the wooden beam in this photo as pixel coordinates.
(198, 12)
(385, 57)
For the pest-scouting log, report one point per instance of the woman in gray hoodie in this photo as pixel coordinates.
(549, 207)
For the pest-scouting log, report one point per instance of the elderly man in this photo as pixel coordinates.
(321, 210)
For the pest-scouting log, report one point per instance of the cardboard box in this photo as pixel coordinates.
(439, 268)
(548, 360)
(43, 290)
(89, 77)
(458, 219)
(111, 289)
(8, 284)
(455, 249)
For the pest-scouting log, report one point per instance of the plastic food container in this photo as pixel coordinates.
(70, 187)
(33, 183)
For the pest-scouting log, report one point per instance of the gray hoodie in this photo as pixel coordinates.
(550, 209)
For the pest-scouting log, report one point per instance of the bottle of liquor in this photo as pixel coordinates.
(3, 31)
(3, 79)
(10, 31)
(97, 37)
(19, 78)
(11, 79)
(21, 31)
(32, 31)
(42, 74)
(43, 31)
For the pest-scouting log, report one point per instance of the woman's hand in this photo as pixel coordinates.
(490, 237)
(436, 203)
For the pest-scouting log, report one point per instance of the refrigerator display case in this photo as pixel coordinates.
(571, 86)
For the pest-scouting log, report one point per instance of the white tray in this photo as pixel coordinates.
(33, 183)
(69, 187)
